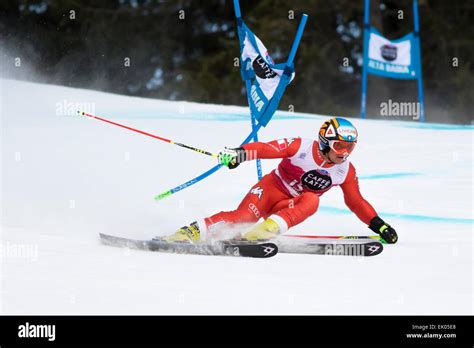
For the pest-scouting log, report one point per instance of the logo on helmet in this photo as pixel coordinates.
(330, 131)
(347, 133)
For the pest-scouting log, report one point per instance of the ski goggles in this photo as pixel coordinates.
(342, 147)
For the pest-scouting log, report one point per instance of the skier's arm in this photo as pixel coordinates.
(364, 211)
(353, 198)
(281, 148)
(274, 149)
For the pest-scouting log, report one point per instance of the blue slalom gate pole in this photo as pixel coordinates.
(297, 40)
(363, 101)
(255, 138)
(247, 86)
(285, 78)
(418, 52)
(237, 9)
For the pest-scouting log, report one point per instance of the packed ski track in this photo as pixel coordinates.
(66, 178)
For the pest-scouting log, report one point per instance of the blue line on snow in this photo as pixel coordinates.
(437, 126)
(209, 116)
(333, 210)
(387, 176)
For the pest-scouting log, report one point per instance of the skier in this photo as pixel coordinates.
(290, 194)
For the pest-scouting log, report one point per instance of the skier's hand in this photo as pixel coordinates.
(386, 231)
(232, 157)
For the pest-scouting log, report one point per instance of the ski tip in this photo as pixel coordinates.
(258, 250)
(106, 237)
(372, 249)
(269, 249)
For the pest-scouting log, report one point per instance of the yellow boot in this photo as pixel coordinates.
(265, 230)
(189, 233)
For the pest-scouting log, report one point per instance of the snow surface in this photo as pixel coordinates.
(66, 178)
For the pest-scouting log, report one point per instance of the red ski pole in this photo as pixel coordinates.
(149, 134)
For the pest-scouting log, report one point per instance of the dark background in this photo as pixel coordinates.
(295, 331)
(193, 59)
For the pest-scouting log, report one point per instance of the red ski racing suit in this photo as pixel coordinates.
(290, 193)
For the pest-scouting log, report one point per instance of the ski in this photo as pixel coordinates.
(377, 238)
(335, 247)
(221, 248)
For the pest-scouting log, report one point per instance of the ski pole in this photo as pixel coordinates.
(149, 134)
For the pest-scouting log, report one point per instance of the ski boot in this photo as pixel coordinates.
(265, 230)
(190, 234)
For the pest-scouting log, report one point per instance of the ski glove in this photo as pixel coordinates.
(386, 231)
(232, 157)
